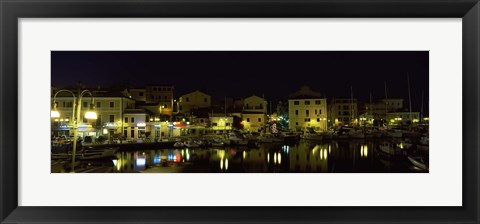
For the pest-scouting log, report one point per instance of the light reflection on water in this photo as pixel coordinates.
(306, 156)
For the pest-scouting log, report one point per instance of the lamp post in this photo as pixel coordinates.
(77, 107)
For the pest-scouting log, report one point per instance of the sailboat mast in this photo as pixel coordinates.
(421, 110)
(386, 103)
(351, 104)
(409, 97)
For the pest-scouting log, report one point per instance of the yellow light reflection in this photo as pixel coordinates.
(226, 164)
(279, 158)
(268, 157)
(221, 164)
(244, 154)
(275, 158)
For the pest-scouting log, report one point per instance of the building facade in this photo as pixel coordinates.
(194, 100)
(138, 94)
(307, 108)
(403, 118)
(161, 94)
(254, 113)
(380, 108)
(344, 111)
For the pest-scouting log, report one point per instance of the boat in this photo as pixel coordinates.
(404, 145)
(217, 143)
(237, 138)
(269, 138)
(391, 149)
(191, 144)
(418, 162)
(178, 145)
(310, 134)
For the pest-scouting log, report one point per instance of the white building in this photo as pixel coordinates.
(307, 108)
(109, 109)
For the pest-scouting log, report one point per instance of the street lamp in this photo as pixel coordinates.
(77, 107)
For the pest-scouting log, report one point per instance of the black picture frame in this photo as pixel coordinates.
(12, 10)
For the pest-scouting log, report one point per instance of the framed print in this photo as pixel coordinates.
(224, 111)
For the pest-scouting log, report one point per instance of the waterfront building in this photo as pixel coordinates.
(254, 114)
(194, 100)
(109, 106)
(380, 108)
(162, 95)
(307, 108)
(344, 111)
(220, 123)
(403, 118)
(138, 94)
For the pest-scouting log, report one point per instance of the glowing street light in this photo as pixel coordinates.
(77, 107)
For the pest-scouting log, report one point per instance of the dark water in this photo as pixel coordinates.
(359, 156)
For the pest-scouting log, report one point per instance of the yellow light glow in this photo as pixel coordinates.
(56, 120)
(54, 114)
(66, 120)
(244, 154)
(279, 158)
(275, 158)
(105, 131)
(226, 164)
(221, 164)
(268, 157)
(325, 155)
(91, 115)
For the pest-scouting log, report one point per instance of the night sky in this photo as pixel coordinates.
(275, 74)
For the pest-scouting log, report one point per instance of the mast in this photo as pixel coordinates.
(351, 104)
(421, 110)
(386, 103)
(409, 98)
